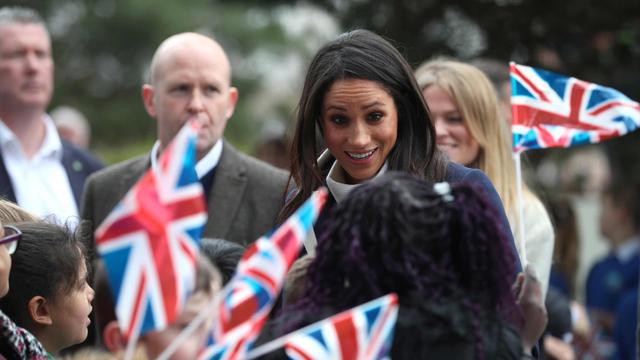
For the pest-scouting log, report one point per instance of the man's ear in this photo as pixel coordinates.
(147, 99)
(112, 337)
(233, 100)
(39, 310)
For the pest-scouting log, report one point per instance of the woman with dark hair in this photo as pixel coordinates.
(441, 249)
(361, 96)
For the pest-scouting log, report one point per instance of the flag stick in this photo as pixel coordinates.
(131, 345)
(281, 341)
(211, 307)
(193, 325)
(269, 347)
(520, 208)
(276, 344)
(516, 159)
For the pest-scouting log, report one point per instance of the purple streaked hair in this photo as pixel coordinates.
(396, 234)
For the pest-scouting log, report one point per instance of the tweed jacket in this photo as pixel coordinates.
(245, 198)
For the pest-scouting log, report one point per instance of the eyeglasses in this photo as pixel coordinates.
(11, 237)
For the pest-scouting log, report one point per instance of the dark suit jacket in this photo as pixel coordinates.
(78, 164)
(246, 195)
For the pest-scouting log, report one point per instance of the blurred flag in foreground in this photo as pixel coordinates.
(551, 110)
(149, 242)
(248, 298)
(364, 332)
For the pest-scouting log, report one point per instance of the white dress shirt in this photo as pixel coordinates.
(628, 249)
(336, 182)
(203, 166)
(41, 184)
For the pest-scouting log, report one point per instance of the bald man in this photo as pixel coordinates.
(190, 78)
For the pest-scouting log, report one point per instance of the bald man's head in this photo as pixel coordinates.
(181, 42)
(190, 78)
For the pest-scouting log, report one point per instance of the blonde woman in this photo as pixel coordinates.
(471, 129)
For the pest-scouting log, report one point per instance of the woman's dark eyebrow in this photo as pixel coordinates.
(373, 104)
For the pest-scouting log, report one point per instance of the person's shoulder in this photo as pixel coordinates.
(139, 163)
(260, 166)
(85, 156)
(601, 266)
(255, 167)
(460, 173)
(533, 203)
(457, 172)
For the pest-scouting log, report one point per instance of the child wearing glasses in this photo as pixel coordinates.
(49, 294)
(15, 342)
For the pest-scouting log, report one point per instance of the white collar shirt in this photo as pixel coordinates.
(625, 251)
(336, 181)
(40, 184)
(203, 166)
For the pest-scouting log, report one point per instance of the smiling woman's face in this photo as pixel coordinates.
(360, 126)
(452, 135)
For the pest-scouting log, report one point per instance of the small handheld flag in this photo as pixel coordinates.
(149, 242)
(364, 332)
(551, 110)
(248, 298)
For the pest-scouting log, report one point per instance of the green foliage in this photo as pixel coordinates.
(111, 154)
(102, 49)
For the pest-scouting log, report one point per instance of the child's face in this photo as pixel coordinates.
(5, 267)
(156, 342)
(70, 312)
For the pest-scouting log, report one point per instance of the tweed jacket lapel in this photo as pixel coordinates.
(125, 182)
(134, 174)
(227, 192)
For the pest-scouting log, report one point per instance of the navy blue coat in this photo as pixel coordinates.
(456, 173)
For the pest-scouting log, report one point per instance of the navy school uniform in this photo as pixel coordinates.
(624, 328)
(608, 279)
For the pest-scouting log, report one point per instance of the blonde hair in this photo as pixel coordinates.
(477, 103)
(12, 213)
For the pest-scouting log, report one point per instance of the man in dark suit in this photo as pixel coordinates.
(42, 173)
(190, 78)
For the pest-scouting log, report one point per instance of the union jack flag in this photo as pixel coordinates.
(551, 110)
(248, 298)
(149, 242)
(364, 332)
